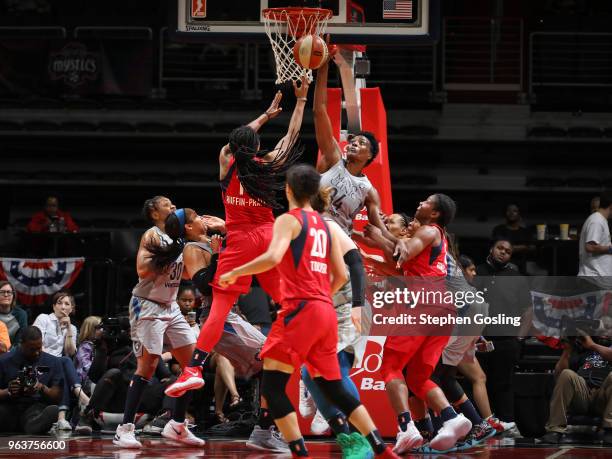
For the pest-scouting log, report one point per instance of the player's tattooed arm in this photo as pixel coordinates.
(144, 263)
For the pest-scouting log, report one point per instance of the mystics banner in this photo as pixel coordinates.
(48, 68)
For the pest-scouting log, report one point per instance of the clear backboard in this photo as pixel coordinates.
(359, 22)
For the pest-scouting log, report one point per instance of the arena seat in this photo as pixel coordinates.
(418, 130)
(158, 104)
(10, 102)
(585, 132)
(79, 126)
(82, 104)
(107, 222)
(41, 126)
(192, 126)
(154, 127)
(10, 125)
(83, 175)
(157, 177)
(584, 182)
(116, 126)
(545, 182)
(43, 103)
(546, 131)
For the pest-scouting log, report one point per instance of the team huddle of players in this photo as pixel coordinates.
(306, 260)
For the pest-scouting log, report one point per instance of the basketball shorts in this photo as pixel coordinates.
(413, 353)
(240, 247)
(153, 325)
(295, 340)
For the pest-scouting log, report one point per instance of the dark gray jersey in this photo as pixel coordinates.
(348, 194)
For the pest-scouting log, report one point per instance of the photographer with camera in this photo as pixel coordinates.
(584, 384)
(30, 386)
(111, 370)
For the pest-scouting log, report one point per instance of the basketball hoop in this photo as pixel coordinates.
(284, 26)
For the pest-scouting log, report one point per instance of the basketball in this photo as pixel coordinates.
(310, 51)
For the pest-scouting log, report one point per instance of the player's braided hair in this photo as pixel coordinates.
(162, 255)
(262, 179)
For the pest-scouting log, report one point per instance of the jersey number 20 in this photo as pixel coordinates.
(319, 246)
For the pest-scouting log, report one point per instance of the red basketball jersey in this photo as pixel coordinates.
(305, 267)
(431, 262)
(241, 210)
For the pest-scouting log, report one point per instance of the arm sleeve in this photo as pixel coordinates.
(353, 260)
(205, 276)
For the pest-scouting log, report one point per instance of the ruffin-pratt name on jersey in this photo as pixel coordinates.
(238, 201)
(318, 267)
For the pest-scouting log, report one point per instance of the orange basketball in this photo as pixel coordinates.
(310, 51)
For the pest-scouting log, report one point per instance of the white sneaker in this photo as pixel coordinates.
(319, 425)
(62, 424)
(125, 438)
(407, 440)
(307, 406)
(451, 431)
(179, 431)
(268, 440)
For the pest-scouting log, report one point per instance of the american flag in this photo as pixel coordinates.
(397, 9)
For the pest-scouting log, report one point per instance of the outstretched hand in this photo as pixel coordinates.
(274, 109)
(302, 90)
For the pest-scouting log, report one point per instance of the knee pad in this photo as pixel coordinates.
(338, 395)
(112, 376)
(273, 388)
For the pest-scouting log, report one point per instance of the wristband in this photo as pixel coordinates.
(305, 99)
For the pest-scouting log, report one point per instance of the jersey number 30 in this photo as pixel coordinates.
(319, 246)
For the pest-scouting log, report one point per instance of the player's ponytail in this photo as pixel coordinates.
(322, 200)
(164, 254)
(447, 209)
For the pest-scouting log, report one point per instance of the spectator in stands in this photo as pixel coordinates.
(15, 318)
(90, 331)
(595, 250)
(186, 300)
(514, 231)
(59, 339)
(52, 220)
(583, 386)
(27, 407)
(469, 268)
(507, 293)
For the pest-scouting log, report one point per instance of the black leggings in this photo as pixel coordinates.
(445, 376)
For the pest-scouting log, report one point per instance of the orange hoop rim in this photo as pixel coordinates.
(276, 14)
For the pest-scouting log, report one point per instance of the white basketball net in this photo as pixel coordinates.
(284, 26)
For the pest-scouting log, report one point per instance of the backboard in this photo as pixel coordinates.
(359, 22)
